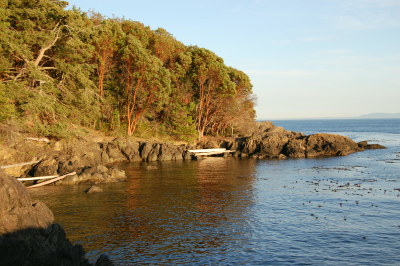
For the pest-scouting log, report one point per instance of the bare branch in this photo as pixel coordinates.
(56, 29)
(44, 49)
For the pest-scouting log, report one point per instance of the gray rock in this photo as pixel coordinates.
(93, 189)
(374, 147)
(27, 233)
(169, 152)
(131, 151)
(186, 155)
(103, 260)
(367, 146)
(113, 151)
(294, 148)
(45, 168)
(154, 153)
(116, 175)
(145, 149)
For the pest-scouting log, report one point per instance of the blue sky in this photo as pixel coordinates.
(306, 58)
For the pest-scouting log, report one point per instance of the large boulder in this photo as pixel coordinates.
(131, 151)
(45, 168)
(114, 153)
(18, 211)
(365, 145)
(319, 145)
(268, 142)
(169, 152)
(273, 145)
(145, 148)
(295, 148)
(28, 235)
(329, 145)
(154, 152)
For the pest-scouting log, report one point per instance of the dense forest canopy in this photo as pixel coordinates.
(63, 69)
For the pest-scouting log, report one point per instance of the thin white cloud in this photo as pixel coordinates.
(365, 14)
(363, 4)
(367, 22)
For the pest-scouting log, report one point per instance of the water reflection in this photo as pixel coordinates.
(217, 211)
(163, 212)
(182, 208)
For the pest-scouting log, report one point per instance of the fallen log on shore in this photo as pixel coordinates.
(52, 180)
(18, 164)
(36, 178)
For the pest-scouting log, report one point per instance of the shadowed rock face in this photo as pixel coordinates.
(28, 235)
(18, 211)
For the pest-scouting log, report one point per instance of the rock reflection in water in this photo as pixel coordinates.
(185, 208)
(170, 212)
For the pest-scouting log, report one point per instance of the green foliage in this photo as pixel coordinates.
(58, 130)
(64, 69)
(7, 109)
(181, 125)
(115, 123)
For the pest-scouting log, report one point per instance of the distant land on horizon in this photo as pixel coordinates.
(365, 116)
(380, 115)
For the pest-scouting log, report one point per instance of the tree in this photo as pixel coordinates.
(62, 68)
(240, 114)
(47, 51)
(107, 34)
(213, 86)
(145, 80)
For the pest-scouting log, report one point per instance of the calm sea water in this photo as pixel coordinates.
(330, 211)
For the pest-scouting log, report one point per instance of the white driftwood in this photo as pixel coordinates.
(211, 153)
(208, 150)
(39, 139)
(52, 180)
(18, 164)
(36, 178)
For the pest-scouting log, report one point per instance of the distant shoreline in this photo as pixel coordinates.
(327, 118)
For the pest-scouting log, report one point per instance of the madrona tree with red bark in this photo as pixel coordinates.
(146, 82)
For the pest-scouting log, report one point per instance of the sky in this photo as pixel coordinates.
(306, 58)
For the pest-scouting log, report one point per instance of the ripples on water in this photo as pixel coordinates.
(341, 210)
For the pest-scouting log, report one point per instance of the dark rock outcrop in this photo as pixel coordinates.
(18, 211)
(92, 161)
(365, 145)
(269, 141)
(28, 235)
(320, 145)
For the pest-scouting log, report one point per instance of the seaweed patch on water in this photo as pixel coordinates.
(368, 180)
(338, 168)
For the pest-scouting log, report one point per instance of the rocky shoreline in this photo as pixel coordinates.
(28, 234)
(94, 162)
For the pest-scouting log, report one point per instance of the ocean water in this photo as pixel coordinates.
(329, 211)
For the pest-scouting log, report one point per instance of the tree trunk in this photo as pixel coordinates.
(101, 78)
(201, 134)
